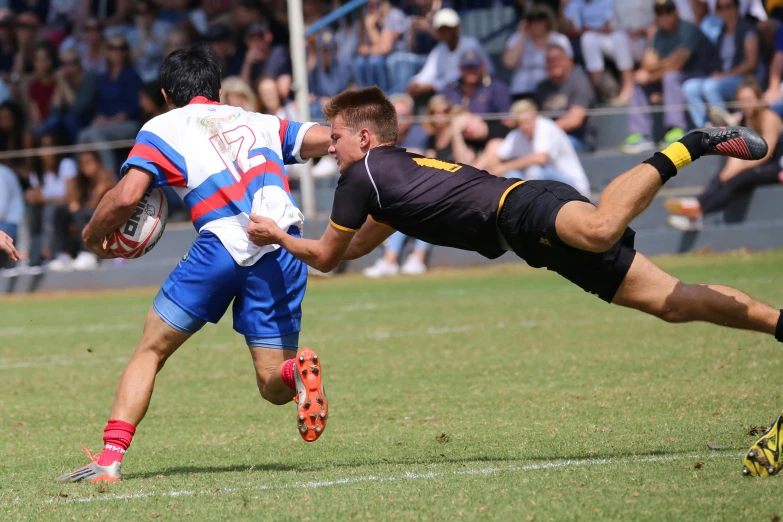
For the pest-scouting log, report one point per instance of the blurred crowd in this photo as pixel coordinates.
(85, 72)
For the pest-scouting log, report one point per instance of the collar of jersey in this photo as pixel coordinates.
(203, 100)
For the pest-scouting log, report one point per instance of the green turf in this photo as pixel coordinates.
(502, 393)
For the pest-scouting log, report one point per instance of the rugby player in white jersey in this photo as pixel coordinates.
(225, 163)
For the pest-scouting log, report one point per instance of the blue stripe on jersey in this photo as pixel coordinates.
(289, 141)
(224, 179)
(153, 140)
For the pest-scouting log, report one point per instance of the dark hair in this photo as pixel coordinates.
(57, 140)
(51, 51)
(13, 140)
(366, 108)
(541, 13)
(188, 73)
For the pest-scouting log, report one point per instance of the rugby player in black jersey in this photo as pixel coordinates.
(383, 188)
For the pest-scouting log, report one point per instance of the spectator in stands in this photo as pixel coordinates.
(48, 192)
(385, 31)
(176, 40)
(328, 76)
(774, 94)
(414, 139)
(477, 91)
(737, 176)
(404, 64)
(438, 128)
(537, 149)
(63, 14)
(15, 136)
(709, 23)
(525, 53)
(235, 92)
(84, 192)
(264, 59)
(270, 101)
(7, 43)
(112, 13)
(11, 212)
(91, 47)
(738, 46)
(42, 85)
(208, 13)
(569, 92)
(594, 21)
(118, 102)
(747, 9)
(147, 39)
(230, 56)
(411, 136)
(151, 101)
(421, 17)
(27, 25)
(679, 51)
(73, 103)
(635, 17)
(442, 65)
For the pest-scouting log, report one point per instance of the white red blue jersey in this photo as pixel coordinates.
(225, 164)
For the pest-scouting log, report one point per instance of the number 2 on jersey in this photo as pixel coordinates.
(233, 147)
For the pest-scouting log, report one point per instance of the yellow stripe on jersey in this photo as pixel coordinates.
(340, 227)
(380, 222)
(505, 194)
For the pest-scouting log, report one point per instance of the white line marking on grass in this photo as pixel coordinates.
(405, 476)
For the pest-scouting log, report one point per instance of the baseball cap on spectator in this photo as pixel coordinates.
(218, 33)
(665, 6)
(257, 29)
(563, 46)
(445, 18)
(471, 60)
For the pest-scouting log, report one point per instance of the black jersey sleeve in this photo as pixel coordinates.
(352, 198)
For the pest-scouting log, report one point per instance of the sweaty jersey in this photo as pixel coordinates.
(447, 204)
(225, 164)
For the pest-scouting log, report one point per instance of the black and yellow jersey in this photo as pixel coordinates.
(447, 204)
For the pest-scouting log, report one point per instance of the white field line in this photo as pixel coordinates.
(393, 478)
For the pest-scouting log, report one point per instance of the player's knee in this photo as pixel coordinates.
(269, 394)
(678, 307)
(603, 234)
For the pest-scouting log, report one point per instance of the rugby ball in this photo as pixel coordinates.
(144, 228)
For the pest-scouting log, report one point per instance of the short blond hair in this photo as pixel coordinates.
(523, 107)
(235, 84)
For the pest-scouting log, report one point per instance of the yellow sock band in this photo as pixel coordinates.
(678, 153)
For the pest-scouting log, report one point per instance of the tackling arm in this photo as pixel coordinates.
(316, 142)
(115, 208)
(322, 254)
(370, 236)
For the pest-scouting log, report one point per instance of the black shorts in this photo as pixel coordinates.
(527, 222)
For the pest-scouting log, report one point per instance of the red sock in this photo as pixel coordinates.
(117, 436)
(287, 373)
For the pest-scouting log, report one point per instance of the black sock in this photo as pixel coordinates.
(678, 155)
(779, 328)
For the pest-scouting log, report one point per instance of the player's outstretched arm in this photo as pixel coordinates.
(322, 254)
(316, 142)
(369, 237)
(7, 246)
(115, 208)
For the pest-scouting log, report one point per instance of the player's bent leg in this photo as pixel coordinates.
(651, 290)
(166, 328)
(268, 361)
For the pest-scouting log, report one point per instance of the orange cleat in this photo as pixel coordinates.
(92, 472)
(312, 410)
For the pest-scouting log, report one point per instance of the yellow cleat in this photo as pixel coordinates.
(763, 458)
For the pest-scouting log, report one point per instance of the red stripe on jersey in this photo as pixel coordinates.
(172, 173)
(283, 128)
(236, 191)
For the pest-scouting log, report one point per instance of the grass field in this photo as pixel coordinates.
(500, 393)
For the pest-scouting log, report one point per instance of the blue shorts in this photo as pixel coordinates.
(267, 295)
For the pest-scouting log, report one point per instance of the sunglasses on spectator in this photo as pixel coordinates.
(724, 7)
(74, 61)
(26, 26)
(118, 47)
(90, 28)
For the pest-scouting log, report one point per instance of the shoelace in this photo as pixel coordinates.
(93, 458)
